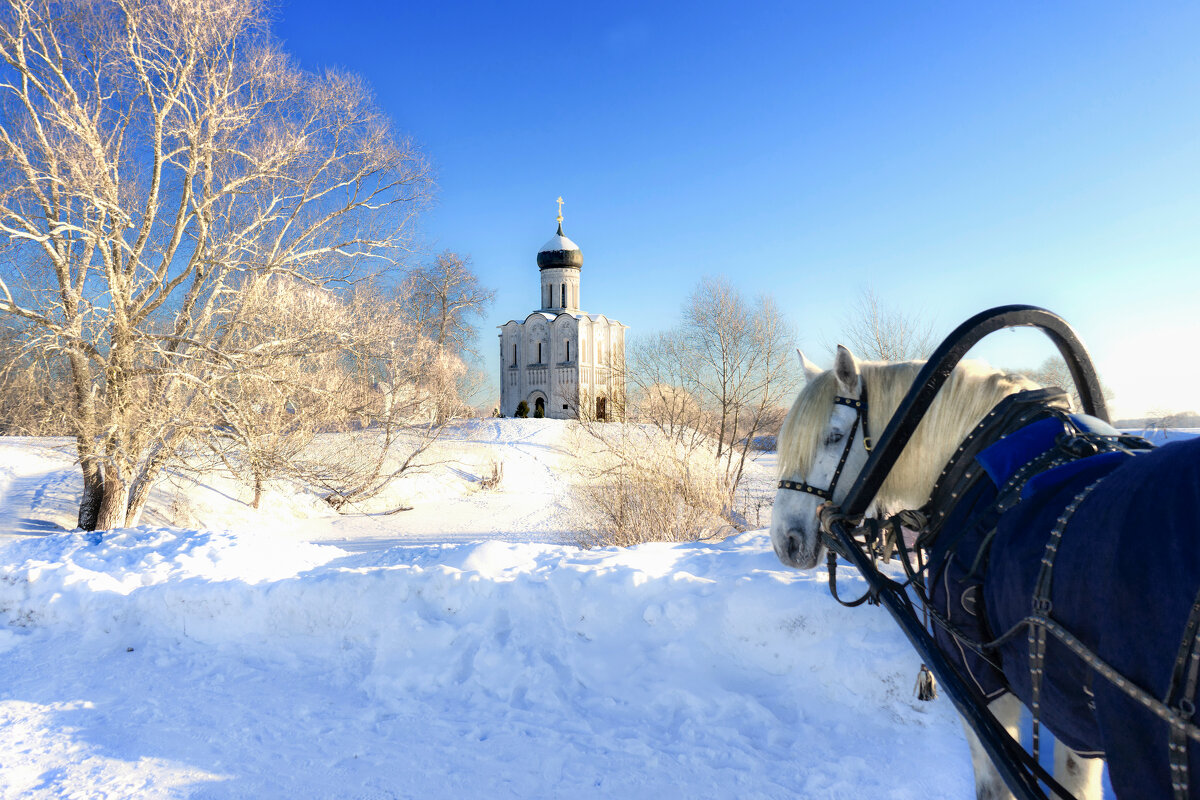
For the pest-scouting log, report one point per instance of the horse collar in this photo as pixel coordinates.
(859, 405)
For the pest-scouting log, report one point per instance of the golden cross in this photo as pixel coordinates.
(560, 205)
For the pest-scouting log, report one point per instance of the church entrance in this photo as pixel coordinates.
(601, 408)
(539, 407)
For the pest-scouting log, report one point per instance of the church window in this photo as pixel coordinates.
(539, 352)
(514, 355)
(564, 295)
(568, 351)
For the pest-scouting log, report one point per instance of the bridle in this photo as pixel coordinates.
(860, 407)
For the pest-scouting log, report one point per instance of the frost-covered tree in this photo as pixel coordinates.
(444, 295)
(876, 332)
(444, 298)
(1054, 372)
(158, 157)
(740, 365)
(713, 382)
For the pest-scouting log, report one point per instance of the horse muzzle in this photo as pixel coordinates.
(797, 550)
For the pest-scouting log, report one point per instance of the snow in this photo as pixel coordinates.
(464, 648)
(1161, 437)
(558, 242)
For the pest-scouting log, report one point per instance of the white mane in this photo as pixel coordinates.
(970, 392)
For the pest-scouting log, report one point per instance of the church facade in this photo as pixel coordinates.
(563, 362)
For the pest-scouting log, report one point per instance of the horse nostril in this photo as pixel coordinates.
(793, 546)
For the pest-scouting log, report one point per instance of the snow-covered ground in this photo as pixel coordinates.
(1164, 437)
(460, 649)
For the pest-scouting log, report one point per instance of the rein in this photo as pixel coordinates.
(860, 417)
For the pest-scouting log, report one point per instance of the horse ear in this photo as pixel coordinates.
(845, 368)
(811, 370)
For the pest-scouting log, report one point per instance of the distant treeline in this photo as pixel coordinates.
(1184, 419)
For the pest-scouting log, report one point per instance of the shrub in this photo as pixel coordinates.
(522, 410)
(639, 486)
(491, 481)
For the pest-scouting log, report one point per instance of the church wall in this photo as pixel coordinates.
(512, 360)
(602, 365)
(555, 377)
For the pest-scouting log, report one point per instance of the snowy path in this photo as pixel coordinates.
(531, 503)
(39, 485)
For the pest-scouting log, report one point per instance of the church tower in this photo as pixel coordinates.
(564, 363)
(559, 262)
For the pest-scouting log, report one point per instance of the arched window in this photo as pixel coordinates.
(539, 352)
(564, 295)
(514, 355)
(568, 350)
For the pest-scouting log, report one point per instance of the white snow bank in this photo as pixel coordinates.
(198, 663)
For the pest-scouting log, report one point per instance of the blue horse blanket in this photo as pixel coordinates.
(1124, 580)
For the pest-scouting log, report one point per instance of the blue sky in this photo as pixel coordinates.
(951, 157)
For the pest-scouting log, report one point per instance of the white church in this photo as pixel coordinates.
(564, 363)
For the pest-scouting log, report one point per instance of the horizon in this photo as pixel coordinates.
(948, 159)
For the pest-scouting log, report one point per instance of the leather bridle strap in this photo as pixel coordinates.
(860, 417)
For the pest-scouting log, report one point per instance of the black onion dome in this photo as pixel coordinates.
(560, 252)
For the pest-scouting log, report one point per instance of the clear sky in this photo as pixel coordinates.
(951, 156)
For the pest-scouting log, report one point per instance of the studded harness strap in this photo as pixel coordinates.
(860, 417)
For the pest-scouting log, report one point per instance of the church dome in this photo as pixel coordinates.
(560, 252)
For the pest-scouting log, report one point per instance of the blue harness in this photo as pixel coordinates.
(1043, 527)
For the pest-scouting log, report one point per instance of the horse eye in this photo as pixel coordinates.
(834, 437)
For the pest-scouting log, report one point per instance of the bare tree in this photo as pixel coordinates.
(29, 403)
(270, 410)
(717, 379)
(1054, 372)
(1161, 420)
(409, 382)
(156, 158)
(444, 295)
(741, 365)
(876, 332)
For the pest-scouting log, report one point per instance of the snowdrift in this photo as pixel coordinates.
(163, 662)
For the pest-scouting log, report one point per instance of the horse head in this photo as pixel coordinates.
(823, 446)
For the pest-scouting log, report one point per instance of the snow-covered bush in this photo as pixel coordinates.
(637, 485)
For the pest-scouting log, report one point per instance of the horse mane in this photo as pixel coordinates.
(972, 390)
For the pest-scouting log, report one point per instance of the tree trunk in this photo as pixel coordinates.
(93, 493)
(258, 491)
(115, 503)
(137, 501)
(83, 419)
(144, 482)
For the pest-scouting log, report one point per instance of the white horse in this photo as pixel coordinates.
(813, 451)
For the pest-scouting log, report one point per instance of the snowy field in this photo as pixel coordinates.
(460, 649)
